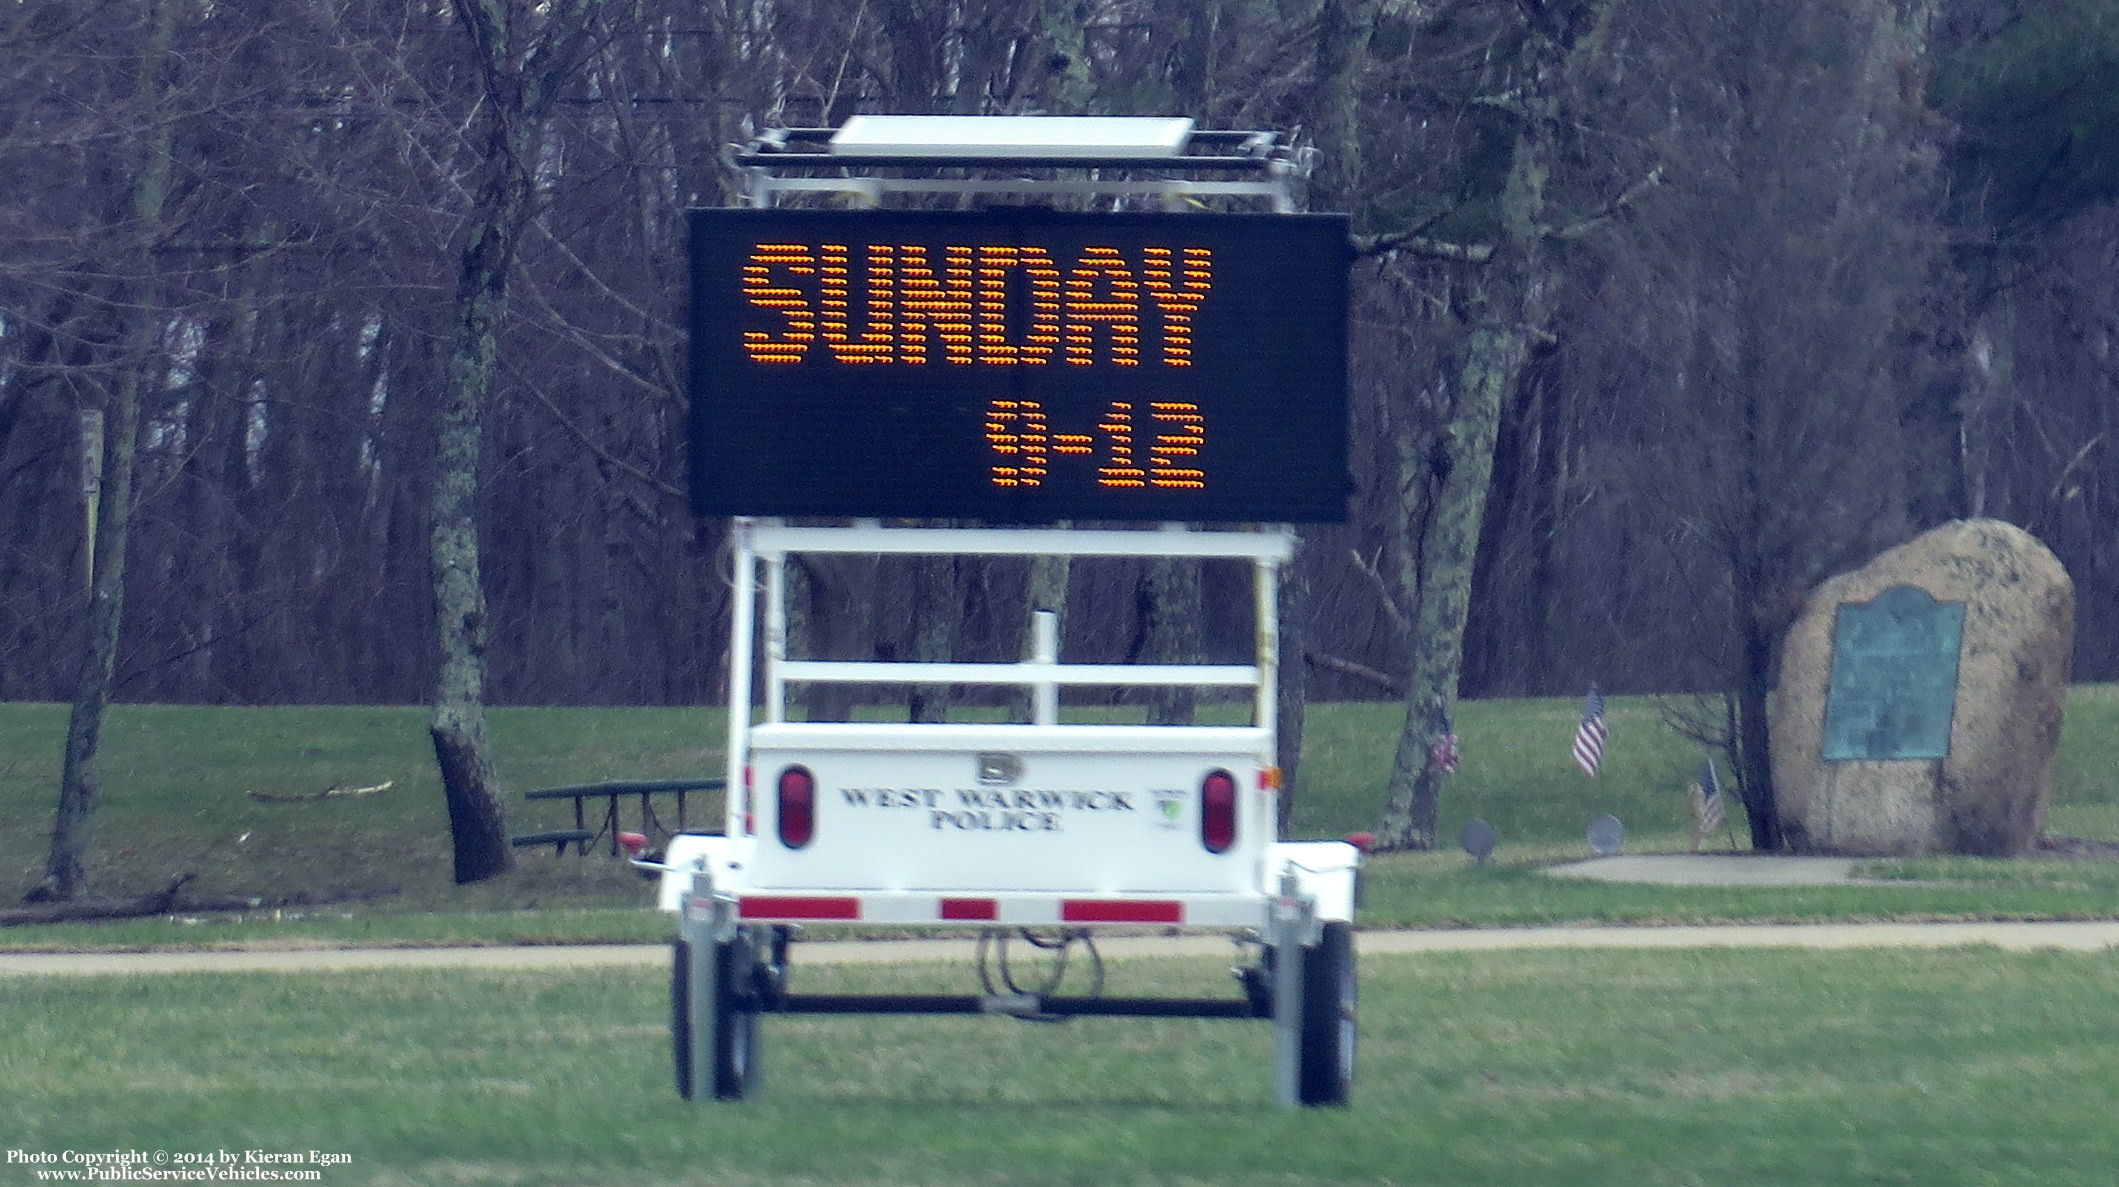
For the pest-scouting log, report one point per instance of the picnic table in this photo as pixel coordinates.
(608, 824)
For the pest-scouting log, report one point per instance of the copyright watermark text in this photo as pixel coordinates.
(174, 1166)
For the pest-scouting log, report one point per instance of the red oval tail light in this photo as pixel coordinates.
(1217, 811)
(797, 807)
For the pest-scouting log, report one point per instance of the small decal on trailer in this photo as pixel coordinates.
(1169, 808)
(1000, 770)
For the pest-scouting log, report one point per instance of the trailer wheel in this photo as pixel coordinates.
(1325, 1074)
(735, 1022)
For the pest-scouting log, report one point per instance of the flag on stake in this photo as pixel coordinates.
(1442, 753)
(1707, 808)
(1589, 736)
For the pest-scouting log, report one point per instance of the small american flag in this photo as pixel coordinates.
(1589, 736)
(1442, 754)
(1707, 808)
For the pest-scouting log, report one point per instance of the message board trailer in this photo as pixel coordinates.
(1030, 368)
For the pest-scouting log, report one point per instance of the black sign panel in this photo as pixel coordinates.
(1019, 366)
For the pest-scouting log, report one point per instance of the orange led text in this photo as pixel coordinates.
(877, 303)
(1160, 449)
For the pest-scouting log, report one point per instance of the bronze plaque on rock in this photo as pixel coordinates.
(1893, 687)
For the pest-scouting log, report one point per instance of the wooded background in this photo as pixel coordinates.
(1753, 288)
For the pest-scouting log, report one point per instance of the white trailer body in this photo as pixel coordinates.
(1014, 824)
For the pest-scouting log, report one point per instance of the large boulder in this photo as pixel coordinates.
(1921, 697)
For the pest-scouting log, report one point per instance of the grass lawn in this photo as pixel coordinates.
(179, 783)
(1582, 1068)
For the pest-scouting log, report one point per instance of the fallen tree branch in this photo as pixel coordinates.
(1591, 222)
(1348, 667)
(168, 901)
(310, 797)
(160, 902)
(1421, 245)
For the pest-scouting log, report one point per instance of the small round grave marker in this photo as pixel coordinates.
(1477, 837)
(1606, 835)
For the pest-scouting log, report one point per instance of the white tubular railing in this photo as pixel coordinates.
(763, 546)
(828, 671)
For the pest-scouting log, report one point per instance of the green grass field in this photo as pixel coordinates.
(1918, 1067)
(1933, 1069)
(178, 784)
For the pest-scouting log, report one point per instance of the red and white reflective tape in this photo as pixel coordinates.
(910, 909)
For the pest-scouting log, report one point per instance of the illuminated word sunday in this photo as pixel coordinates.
(977, 304)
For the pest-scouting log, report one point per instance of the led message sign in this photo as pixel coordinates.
(1019, 366)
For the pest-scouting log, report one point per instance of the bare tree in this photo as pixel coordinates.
(1507, 306)
(523, 59)
(135, 304)
(1766, 295)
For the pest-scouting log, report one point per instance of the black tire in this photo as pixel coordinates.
(736, 1022)
(1330, 995)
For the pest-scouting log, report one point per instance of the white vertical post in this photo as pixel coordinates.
(1265, 591)
(1289, 921)
(742, 620)
(775, 637)
(1044, 647)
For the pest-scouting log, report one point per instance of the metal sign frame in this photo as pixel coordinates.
(1255, 165)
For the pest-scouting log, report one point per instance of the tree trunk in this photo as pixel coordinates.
(935, 607)
(477, 823)
(518, 89)
(1344, 29)
(1509, 309)
(833, 617)
(1291, 705)
(1754, 739)
(1448, 552)
(80, 779)
(1173, 636)
(81, 776)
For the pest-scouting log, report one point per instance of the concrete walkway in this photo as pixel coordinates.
(2079, 937)
(1714, 869)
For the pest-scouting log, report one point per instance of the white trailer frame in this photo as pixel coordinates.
(738, 894)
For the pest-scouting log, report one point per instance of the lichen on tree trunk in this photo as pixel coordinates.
(1509, 305)
(1447, 551)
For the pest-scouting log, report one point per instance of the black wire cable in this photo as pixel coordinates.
(993, 953)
